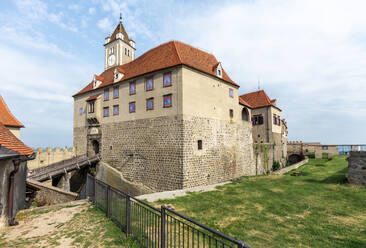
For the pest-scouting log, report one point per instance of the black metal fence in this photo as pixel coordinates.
(152, 227)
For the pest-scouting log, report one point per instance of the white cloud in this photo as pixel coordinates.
(105, 24)
(92, 11)
(308, 54)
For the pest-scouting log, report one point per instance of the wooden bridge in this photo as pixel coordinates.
(61, 168)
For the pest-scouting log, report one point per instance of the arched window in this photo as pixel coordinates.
(245, 114)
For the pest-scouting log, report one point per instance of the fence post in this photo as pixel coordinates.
(128, 213)
(108, 203)
(162, 227)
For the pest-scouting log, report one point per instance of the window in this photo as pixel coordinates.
(132, 88)
(231, 112)
(257, 120)
(245, 114)
(276, 120)
(106, 112)
(325, 147)
(106, 95)
(115, 92)
(132, 107)
(149, 84)
(116, 110)
(81, 111)
(91, 107)
(231, 93)
(219, 72)
(150, 104)
(167, 103)
(125, 51)
(199, 144)
(167, 80)
(128, 53)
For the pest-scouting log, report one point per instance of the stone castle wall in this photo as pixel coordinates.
(147, 151)
(357, 168)
(49, 156)
(227, 151)
(162, 153)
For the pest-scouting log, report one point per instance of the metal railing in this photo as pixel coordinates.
(150, 226)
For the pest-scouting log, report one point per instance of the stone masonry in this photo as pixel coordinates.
(357, 168)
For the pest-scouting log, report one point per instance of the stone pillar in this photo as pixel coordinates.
(357, 168)
(64, 182)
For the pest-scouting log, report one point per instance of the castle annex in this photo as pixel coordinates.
(169, 119)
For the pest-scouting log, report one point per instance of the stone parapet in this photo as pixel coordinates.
(357, 168)
(49, 156)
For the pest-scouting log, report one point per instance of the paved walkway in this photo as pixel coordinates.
(176, 193)
(292, 167)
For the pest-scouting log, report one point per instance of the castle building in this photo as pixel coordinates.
(169, 119)
(14, 155)
(268, 126)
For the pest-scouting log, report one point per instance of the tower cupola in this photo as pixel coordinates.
(119, 48)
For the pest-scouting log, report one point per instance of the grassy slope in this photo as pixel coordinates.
(318, 209)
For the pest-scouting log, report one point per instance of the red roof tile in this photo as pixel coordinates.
(6, 117)
(98, 78)
(243, 102)
(92, 97)
(258, 99)
(9, 141)
(166, 55)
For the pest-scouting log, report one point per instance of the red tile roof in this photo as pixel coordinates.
(98, 78)
(92, 97)
(9, 141)
(258, 99)
(243, 102)
(6, 117)
(166, 55)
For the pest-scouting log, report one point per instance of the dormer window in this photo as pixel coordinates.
(118, 74)
(218, 69)
(96, 81)
(119, 36)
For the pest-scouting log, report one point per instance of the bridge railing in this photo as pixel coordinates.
(150, 226)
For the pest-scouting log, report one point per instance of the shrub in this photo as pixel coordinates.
(276, 165)
(310, 155)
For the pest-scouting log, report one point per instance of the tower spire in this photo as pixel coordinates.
(120, 17)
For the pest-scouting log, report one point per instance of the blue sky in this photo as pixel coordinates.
(310, 55)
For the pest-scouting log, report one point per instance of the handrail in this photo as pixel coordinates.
(207, 228)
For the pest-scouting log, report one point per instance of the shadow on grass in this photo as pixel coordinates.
(338, 177)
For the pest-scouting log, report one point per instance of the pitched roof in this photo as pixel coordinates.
(120, 29)
(11, 142)
(6, 117)
(166, 55)
(258, 99)
(243, 102)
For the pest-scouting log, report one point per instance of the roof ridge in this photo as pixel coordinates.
(176, 50)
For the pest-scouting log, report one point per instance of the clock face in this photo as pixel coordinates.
(111, 60)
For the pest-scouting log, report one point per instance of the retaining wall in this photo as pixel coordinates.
(357, 168)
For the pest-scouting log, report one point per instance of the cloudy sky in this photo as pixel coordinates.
(310, 55)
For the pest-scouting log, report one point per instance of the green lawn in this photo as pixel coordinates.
(317, 209)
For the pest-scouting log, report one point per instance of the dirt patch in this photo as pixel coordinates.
(277, 190)
(259, 207)
(78, 225)
(42, 224)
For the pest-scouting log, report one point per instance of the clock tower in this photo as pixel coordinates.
(119, 48)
